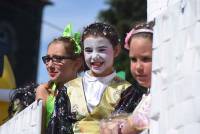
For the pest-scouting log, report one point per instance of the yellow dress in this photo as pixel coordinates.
(88, 122)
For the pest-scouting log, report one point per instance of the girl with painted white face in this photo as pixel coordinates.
(100, 50)
(99, 55)
(94, 96)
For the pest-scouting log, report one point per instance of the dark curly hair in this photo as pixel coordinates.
(102, 30)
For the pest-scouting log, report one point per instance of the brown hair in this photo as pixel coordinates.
(69, 45)
(143, 25)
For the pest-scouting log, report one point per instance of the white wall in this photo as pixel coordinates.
(176, 66)
(29, 121)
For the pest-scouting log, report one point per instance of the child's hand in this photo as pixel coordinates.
(111, 126)
(42, 92)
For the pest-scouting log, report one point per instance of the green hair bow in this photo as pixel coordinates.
(75, 36)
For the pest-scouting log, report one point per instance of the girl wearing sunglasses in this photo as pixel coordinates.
(63, 61)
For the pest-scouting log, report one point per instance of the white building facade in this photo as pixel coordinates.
(176, 66)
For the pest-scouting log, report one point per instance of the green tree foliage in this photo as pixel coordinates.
(123, 14)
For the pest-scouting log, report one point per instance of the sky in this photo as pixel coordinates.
(79, 13)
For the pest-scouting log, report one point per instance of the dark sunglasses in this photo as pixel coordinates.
(55, 58)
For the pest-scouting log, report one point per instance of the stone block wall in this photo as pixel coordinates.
(176, 66)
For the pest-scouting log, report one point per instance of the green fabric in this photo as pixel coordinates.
(49, 107)
(54, 87)
(50, 103)
(76, 37)
(121, 74)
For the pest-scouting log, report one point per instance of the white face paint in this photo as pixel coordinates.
(99, 55)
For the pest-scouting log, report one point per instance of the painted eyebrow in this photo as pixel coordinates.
(98, 47)
(102, 47)
(88, 49)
